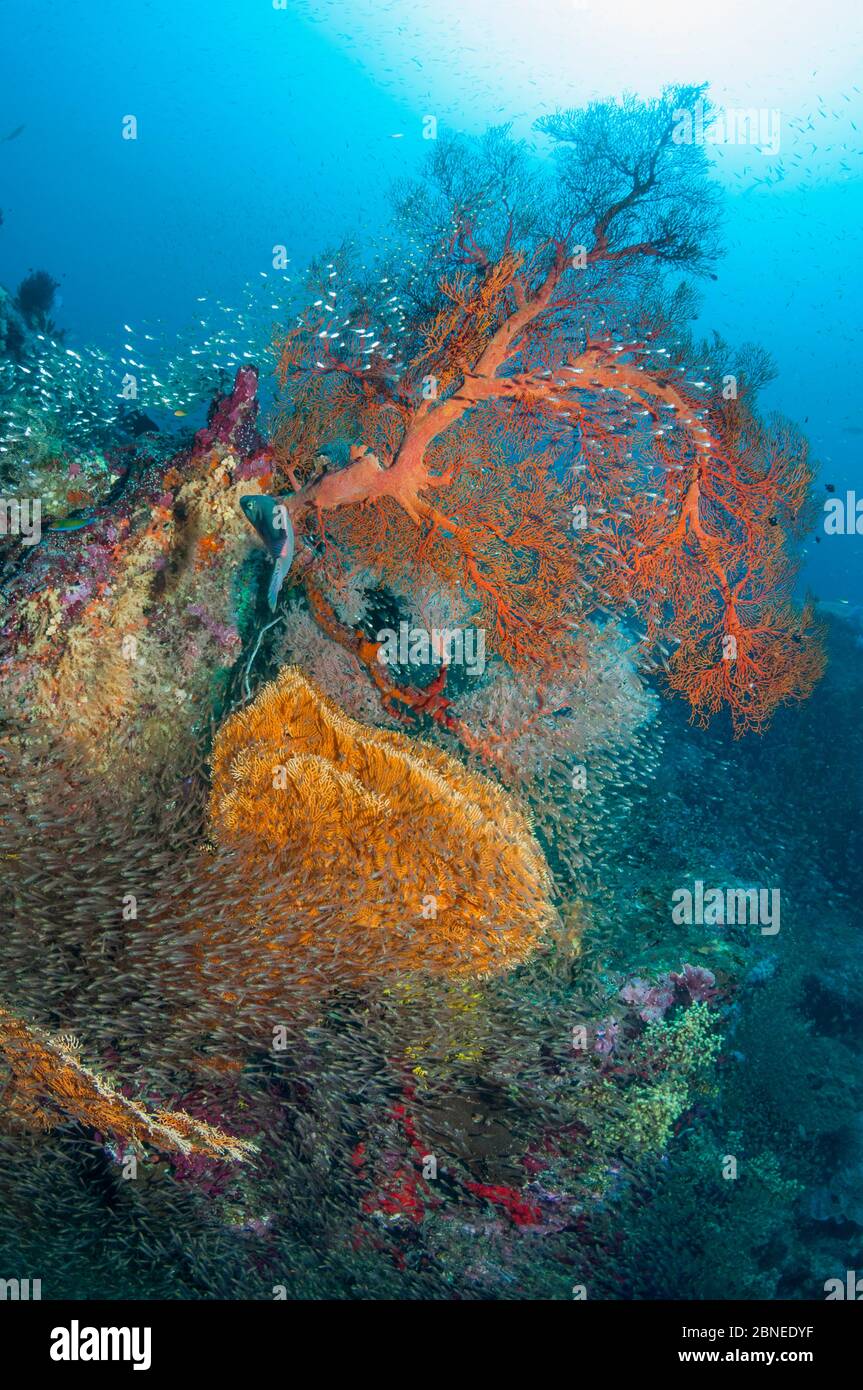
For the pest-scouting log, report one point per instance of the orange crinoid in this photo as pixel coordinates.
(368, 850)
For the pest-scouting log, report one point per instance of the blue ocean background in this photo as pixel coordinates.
(261, 124)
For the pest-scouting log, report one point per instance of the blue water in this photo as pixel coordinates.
(260, 126)
(252, 130)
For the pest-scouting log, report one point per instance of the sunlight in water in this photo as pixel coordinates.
(481, 61)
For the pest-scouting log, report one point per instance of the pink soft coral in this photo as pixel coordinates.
(700, 984)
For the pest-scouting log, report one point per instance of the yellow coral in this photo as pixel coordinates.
(118, 678)
(388, 852)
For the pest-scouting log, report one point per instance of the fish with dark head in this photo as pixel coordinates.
(270, 519)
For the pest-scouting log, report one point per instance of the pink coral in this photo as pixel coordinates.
(233, 419)
(651, 1001)
(700, 984)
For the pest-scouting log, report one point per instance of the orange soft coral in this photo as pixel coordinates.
(370, 851)
(48, 1084)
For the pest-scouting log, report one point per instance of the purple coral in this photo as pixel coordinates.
(76, 593)
(700, 984)
(651, 1001)
(227, 637)
(255, 467)
(232, 419)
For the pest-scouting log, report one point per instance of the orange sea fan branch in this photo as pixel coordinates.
(49, 1084)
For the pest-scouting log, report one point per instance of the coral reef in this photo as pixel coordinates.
(535, 428)
(406, 928)
(136, 620)
(34, 300)
(421, 864)
(50, 1085)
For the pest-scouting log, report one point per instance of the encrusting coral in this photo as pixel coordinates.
(49, 1085)
(141, 636)
(418, 863)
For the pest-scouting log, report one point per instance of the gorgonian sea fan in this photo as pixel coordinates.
(531, 425)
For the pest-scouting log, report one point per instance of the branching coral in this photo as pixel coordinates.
(528, 425)
(412, 862)
(708, 557)
(49, 1085)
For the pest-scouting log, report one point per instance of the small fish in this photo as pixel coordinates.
(272, 523)
(75, 521)
(135, 422)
